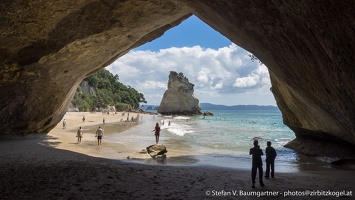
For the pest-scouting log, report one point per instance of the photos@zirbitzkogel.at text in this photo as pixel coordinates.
(288, 193)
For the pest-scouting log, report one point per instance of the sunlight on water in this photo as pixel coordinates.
(231, 133)
(222, 140)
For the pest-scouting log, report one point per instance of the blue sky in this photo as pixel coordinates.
(189, 33)
(221, 71)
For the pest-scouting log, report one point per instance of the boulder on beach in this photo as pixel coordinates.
(156, 149)
(143, 154)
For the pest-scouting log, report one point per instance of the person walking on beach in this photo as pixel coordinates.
(64, 124)
(157, 132)
(270, 160)
(103, 121)
(79, 134)
(99, 135)
(83, 118)
(257, 163)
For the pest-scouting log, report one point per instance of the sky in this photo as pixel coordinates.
(221, 71)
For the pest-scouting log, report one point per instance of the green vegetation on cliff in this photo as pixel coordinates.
(103, 89)
(179, 75)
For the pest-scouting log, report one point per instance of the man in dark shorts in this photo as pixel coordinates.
(257, 163)
(99, 135)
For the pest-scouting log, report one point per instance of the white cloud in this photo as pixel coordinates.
(153, 85)
(216, 73)
(245, 82)
(218, 86)
(202, 76)
(258, 77)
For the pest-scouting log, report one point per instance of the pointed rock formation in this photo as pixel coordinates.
(179, 98)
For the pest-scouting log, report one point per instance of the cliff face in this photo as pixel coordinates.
(179, 97)
(308, 48)
(47, 48)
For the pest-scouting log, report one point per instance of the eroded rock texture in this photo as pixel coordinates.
(179, 98)
(309, 49)
(48, 47)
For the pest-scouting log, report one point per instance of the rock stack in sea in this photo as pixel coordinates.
(179, 98)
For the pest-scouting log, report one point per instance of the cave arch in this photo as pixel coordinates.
(48, 48)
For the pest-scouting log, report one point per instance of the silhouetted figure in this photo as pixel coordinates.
(257, 163)
(270, 160)
(83, 118)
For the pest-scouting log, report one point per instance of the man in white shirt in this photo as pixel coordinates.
(99, 135)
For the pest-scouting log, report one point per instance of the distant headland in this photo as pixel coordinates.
(210, 106)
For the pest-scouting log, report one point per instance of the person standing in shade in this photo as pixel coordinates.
(270, 160)
(79, 134)
(157, 132)
(257, 163)
(99, 135)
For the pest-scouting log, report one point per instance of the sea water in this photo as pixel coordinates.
(229, 134)
(223, 139)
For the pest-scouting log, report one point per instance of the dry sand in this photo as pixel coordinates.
(55, 167)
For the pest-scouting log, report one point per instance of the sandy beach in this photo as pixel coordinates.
(54, 166)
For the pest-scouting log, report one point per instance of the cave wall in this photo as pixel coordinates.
(308, 47)
(47, 48)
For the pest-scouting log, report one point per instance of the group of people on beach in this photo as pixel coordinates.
(256, 152)
(99, 134)
(79, 134)
(99, 131)
(257, 163)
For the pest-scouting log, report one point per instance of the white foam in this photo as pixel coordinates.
(283, 141)
(179, 132)
(182, 117)
(178, 129)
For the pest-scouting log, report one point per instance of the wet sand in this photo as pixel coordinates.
(55, 167)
